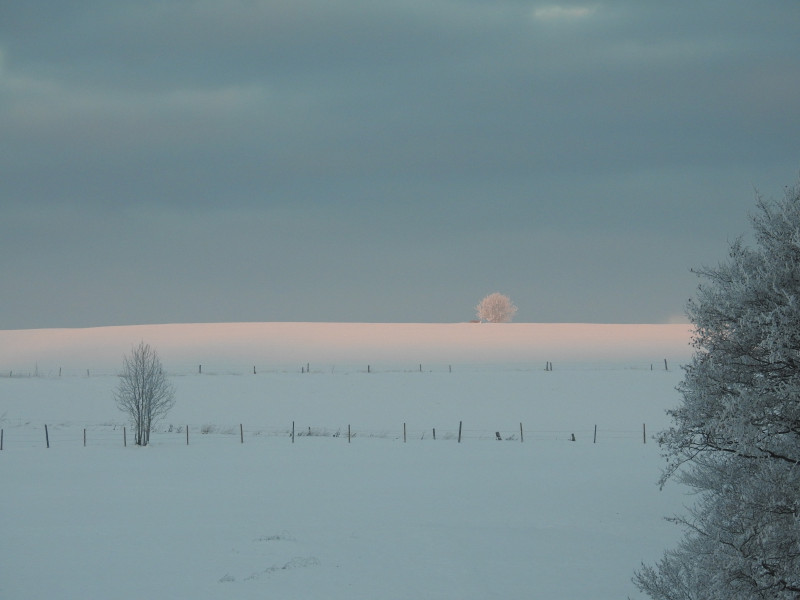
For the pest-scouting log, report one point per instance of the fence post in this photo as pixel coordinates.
(84, 437)
(644, 434)
(348, 433)
(187, 435)
(459, 432)
(1, 439)
(434, 433)
(46, 436)
(124, 437)
(595, 435)
(404, 433)
(293, 432)
(666, 368)
(241, 433)
(521, 438)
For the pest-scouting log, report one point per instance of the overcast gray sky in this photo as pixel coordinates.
(382, 160)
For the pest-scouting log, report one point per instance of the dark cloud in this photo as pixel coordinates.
(308, 160)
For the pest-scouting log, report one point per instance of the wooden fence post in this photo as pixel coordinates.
(293, 432)
(348, 433)
(644, 434)
(84, 437)
(46, 436)
(434, 433)
(595, 435)
(241, 433)
(124, 437)
(187, 435)
(521, 437)
(666, 368)
(459, 431)
(404, 433)
(1, 439)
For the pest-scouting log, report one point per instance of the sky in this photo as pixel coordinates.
(177, 161)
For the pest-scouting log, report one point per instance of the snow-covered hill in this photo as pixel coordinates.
(242, 345)
(242, 511)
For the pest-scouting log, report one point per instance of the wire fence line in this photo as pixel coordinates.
(255, 368)
(64, 435)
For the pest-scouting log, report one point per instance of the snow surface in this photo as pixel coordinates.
(372, 517)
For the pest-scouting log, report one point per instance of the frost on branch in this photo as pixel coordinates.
(735, 438)
(496, 308)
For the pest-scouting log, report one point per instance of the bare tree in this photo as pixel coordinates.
(496, 308)
(144, 392)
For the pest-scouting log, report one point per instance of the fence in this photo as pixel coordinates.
(107, 435)
(346, 367)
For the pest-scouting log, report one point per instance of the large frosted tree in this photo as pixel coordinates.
(496, 308)
(144, 392)
(735, 438)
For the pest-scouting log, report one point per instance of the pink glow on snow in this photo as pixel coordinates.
(244, 344)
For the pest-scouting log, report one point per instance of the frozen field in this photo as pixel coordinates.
(372, 517)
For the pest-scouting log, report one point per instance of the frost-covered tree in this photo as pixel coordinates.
(496, 308)
(144, 392)
(735, 437)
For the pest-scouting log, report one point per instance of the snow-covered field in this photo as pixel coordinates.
(324, 516)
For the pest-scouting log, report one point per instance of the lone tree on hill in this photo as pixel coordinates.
(496, 308)
(735, 437)
(144, 392)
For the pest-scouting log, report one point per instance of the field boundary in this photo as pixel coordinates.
(70, 435)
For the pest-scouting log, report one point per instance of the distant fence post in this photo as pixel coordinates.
(46, 436)
(595, 435)
(124, 437)
(404, 433)
(293, 432)
(644, 434)
(459, 431)
(434, 433)
(348, 433)
(666, 368)
(241, 433)
(1, 440)
(521, 437)
(187, 435)
(84, 437)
